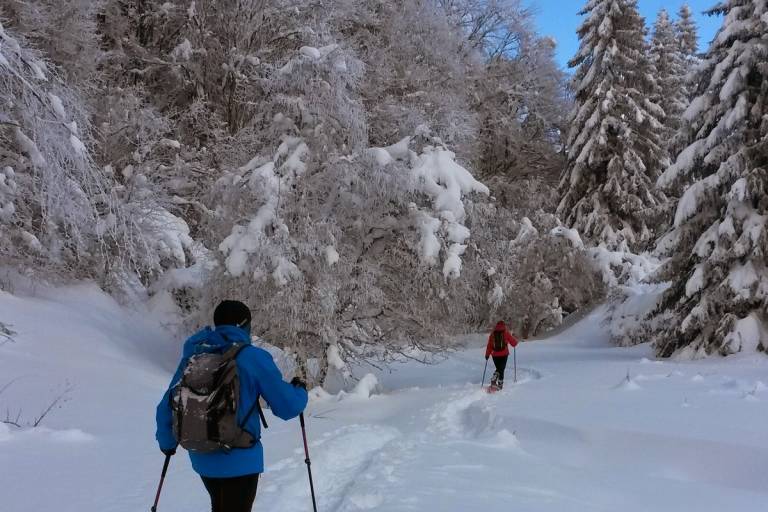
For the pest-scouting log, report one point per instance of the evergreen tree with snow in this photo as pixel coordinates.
(687, 32)
(670, 64)
(687, 36)
(719, 295)
(613, 144)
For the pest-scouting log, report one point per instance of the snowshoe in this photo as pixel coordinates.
(496, 383)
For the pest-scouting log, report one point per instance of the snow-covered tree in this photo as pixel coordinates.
(53, 199)
(719, 295)
(613, 144)
(343, 247)
(349, 255)
(65, 31)
(687, 32)
(61, 210)
(521, 106)
(517, 89)
(524, 273)
(670, 70)
(492, 28)
(314, 158)
(418, 71)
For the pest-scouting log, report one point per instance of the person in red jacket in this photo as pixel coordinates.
(498, 347)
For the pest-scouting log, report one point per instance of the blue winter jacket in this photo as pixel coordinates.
(259, 376)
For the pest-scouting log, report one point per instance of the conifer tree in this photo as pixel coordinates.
(613, 144)
(719, 294)
(687, 32)
(669, 62)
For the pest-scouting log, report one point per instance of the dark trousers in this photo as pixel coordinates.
(232, 494)
(501, 365)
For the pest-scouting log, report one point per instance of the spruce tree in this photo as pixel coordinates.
(718, 299)
(669, 63)
(687, 32)
(613, 144)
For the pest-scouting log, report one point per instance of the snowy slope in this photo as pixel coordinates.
(573, 434)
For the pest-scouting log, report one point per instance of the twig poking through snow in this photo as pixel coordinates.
(6, 336)
(17, 421)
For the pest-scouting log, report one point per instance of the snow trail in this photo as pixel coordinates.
(564, 437)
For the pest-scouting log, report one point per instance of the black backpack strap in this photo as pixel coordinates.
(256, 405)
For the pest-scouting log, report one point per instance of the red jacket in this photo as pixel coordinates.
(510, 340)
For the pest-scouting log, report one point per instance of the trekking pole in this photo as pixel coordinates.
(308, 462)
(514, 358)
(162, 479)
(485, 370)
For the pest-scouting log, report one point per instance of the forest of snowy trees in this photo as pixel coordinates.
(373, 176)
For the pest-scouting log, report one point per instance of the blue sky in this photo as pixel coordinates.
(559, 18)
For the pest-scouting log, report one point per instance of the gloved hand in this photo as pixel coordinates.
(486, 357)
(169, 452)
(298, 383)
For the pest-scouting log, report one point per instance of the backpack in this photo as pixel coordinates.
(498, 341)
(205, 403)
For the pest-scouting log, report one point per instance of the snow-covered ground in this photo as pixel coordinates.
(588, 427)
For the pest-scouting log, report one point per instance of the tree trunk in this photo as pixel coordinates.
(323, 367)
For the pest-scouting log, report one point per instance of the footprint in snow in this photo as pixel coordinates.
(347, 458)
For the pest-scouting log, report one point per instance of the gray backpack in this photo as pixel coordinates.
(205, 403)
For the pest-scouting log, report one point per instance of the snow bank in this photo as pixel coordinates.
(468, 415)
(5, 432)
(43, 434)
(506, 440)
(628, 313)
(368, 386)
(318, 394)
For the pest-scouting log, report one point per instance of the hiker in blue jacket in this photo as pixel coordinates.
(231, 476)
